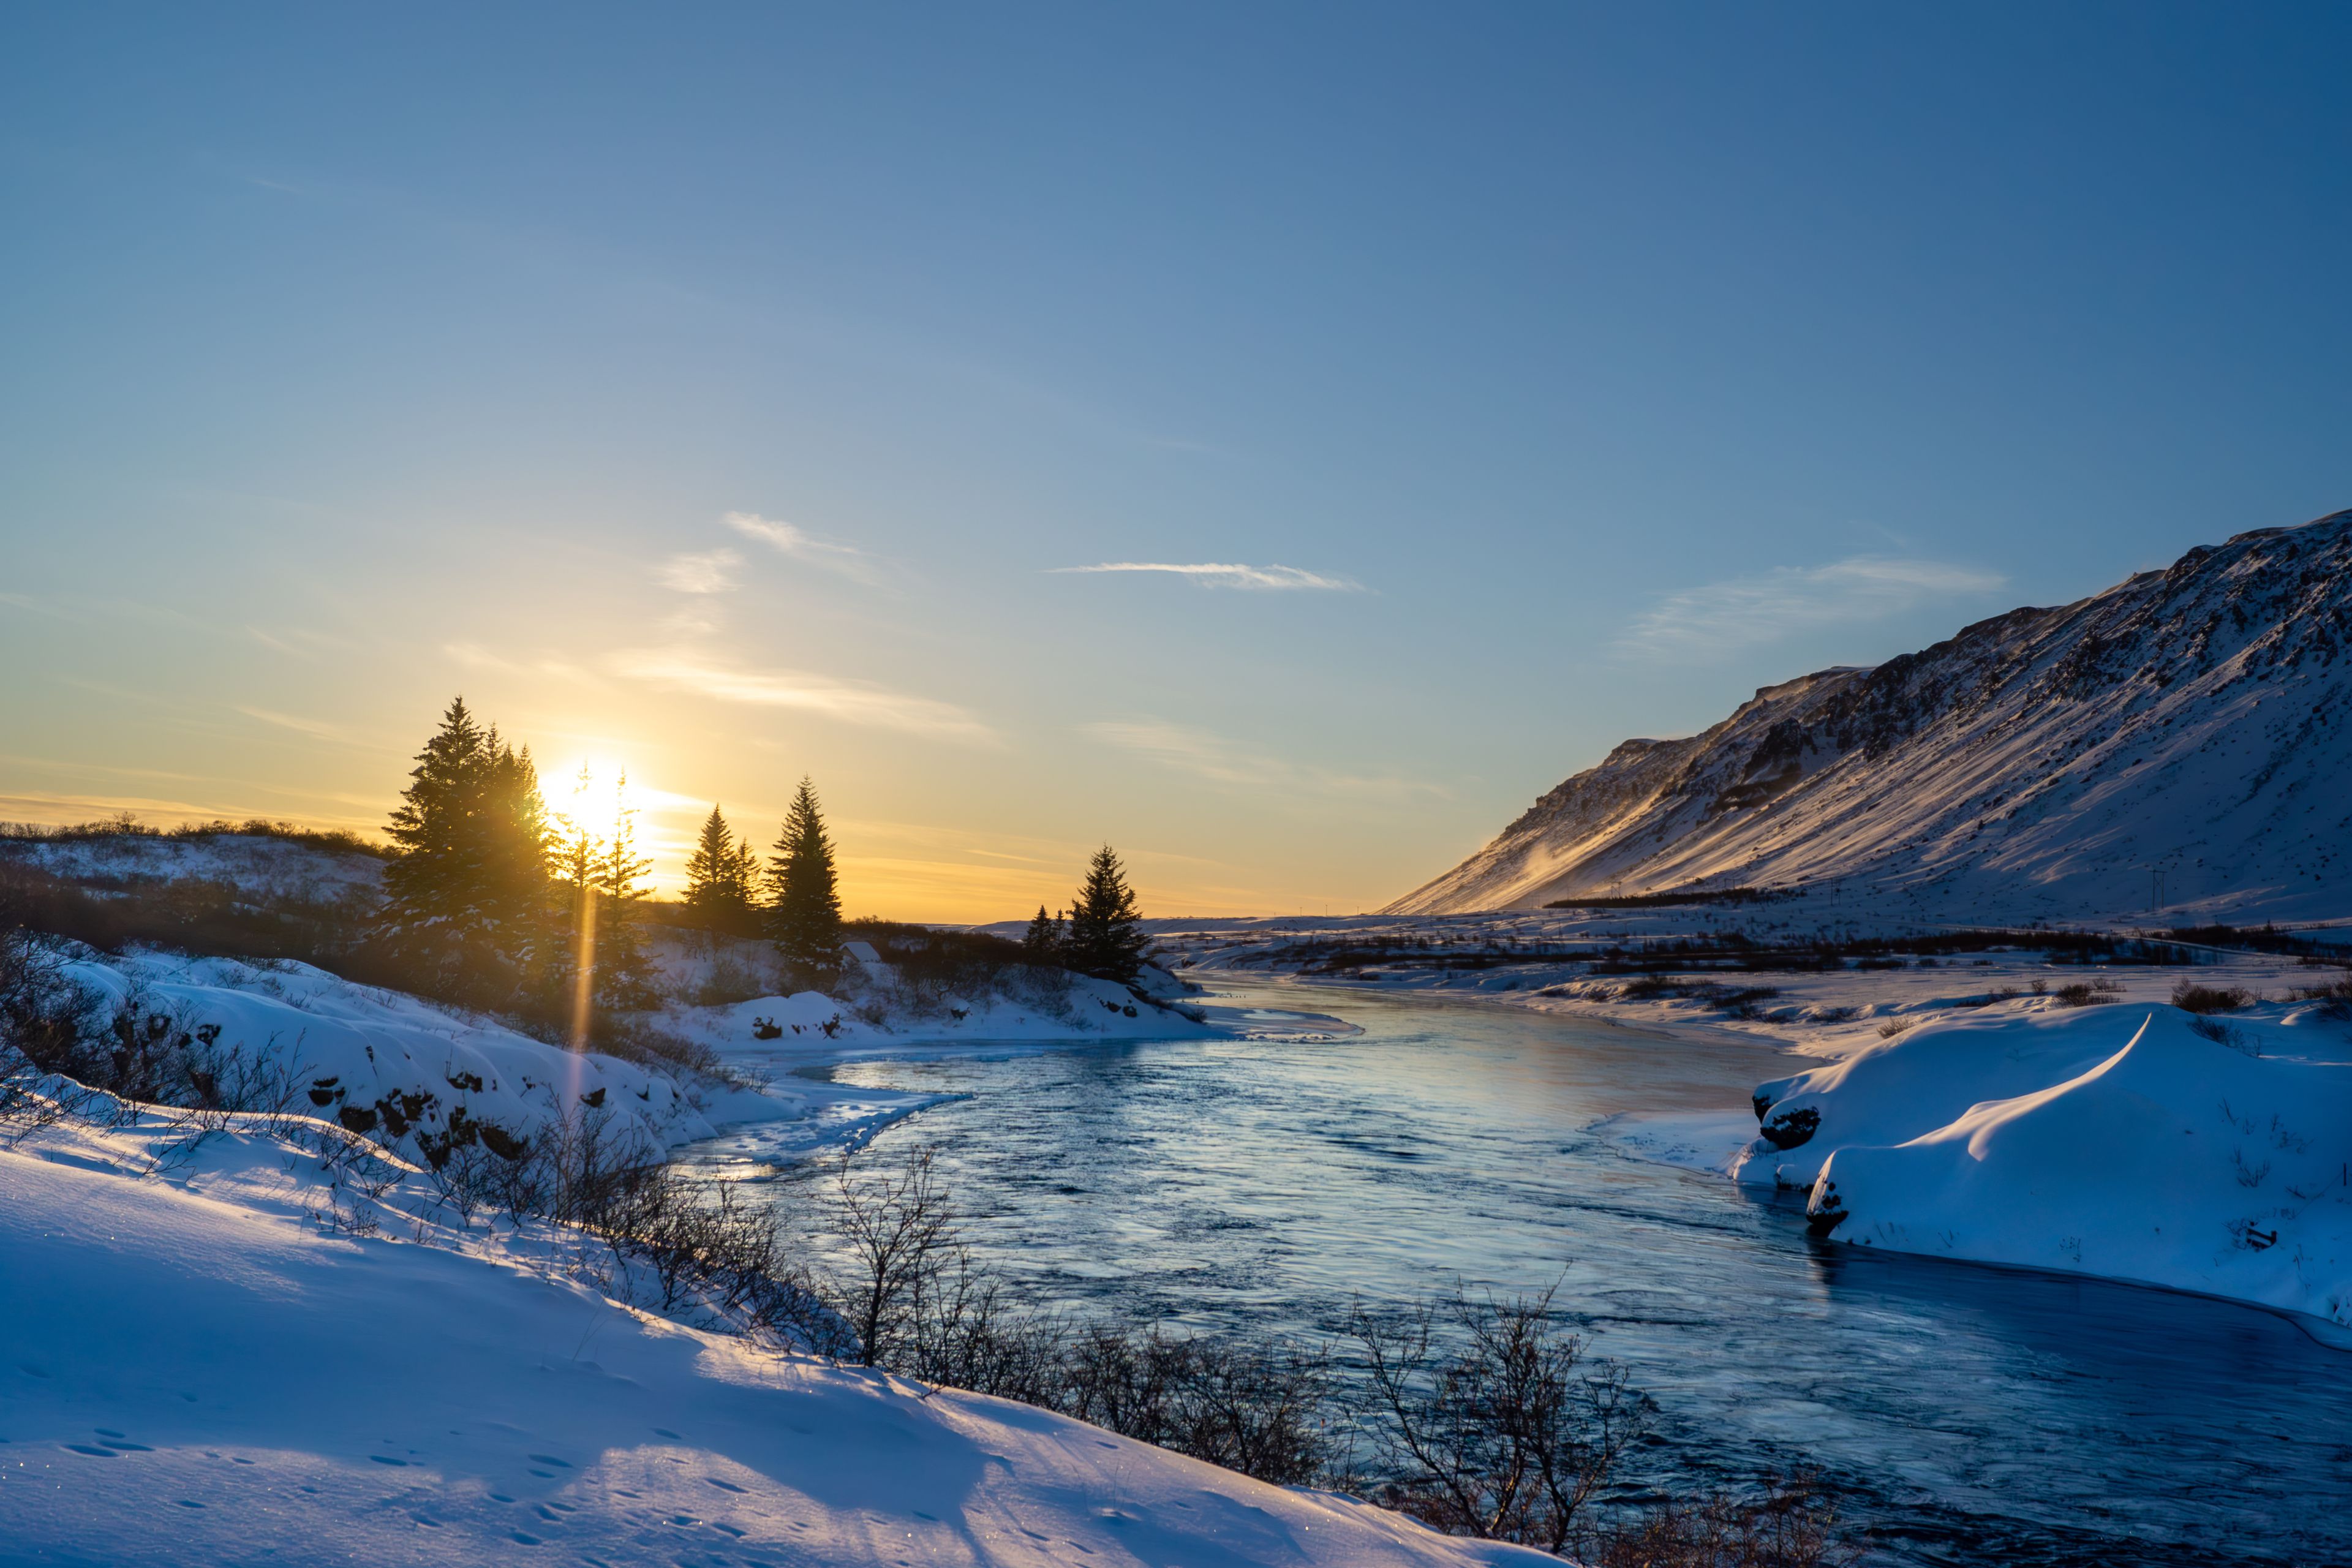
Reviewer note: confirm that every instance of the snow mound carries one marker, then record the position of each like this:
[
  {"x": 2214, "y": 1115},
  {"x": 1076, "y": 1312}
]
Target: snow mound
[
  {"x": 194, "y": 1380},
  {"x": 390, "y": 1065},
  {"x": 2138, "y": 1143},
  {"x": 808, "y": 1022}
]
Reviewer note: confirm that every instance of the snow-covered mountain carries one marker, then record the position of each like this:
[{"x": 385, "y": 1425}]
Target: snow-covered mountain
[{"x": 2181, "y": 742}]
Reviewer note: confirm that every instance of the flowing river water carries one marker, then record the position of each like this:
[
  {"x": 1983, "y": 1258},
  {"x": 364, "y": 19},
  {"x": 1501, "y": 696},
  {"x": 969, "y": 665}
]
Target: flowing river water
[{"x": 1966, "y": 1414}]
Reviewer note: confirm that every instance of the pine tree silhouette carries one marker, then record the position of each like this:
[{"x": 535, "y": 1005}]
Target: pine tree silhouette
[
  {"x": 623, "y": 975},
  {"x": 805, "y": 906},
  {"x": 719, "y": 876},
  {"x": 432, "y": 828},
  {"x": 1102, "y": 940},
  {"x": 466, "y": 894},
  {"x": 1042, "y": 944}
]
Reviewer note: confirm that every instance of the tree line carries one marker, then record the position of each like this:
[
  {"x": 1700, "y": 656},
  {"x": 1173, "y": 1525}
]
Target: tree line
[{"x": 503, "y": 903}]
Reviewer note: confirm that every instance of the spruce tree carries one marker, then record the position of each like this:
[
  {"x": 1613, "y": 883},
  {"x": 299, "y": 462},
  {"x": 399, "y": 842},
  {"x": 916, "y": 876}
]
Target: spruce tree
[
  {"x": 719, "y": 875},
  {"x": 465, "y": 892},
  {"x": 1103, "y": 938},
  {"x": 434, "y": 867},
  {"x": 747, "y": 880},
  {"x": 1042, "y": 944},
  {"x": 517, "y": 849},
  {"x": 804, "y": 902},
  {"x": 624, "y": 977}
]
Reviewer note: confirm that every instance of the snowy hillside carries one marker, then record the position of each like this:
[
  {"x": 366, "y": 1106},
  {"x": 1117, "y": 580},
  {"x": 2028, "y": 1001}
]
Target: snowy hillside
[
  {"x": 199, "y": 1373},
  {"x": 259, "y": 865},
  {"x": 2046, "y": 763}
]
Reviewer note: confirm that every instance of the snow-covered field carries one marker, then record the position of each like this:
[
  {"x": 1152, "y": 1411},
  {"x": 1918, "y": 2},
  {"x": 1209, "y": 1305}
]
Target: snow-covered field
[{"x": 199, "y": 1371}]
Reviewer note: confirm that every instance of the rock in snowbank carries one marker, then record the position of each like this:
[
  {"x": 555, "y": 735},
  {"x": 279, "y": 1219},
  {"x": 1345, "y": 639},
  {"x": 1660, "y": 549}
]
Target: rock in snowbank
[{"x": 2126, "y": 1142}]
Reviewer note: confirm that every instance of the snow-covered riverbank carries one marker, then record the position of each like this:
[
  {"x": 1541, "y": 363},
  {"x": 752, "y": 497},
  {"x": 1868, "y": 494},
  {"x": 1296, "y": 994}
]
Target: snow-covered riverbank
[{"x": 200, "y": 1372}]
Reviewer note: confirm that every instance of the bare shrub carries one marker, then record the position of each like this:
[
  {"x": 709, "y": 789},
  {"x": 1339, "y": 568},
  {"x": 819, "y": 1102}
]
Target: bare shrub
[
  {"x": 2087, "y": 994},
  {"x": 2222, "y": 1033},
  {"x": 1251, "y": 1404},
  {"x": 44, "y": 1017},
  {"x": 2206, "y": 1000},
  {"x": 728, "y": 980},
  {"x": 898, "y": 1227},
  {"x": 1490, "y": 1425},
  {"x": 2335, "y": 997},
  {"x": 1894, "y": 1027},
  {"x": 1793, "y": 1525}
]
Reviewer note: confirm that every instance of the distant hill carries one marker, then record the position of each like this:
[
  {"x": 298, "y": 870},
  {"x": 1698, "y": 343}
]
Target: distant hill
[{"x": 2183, "y": 738}]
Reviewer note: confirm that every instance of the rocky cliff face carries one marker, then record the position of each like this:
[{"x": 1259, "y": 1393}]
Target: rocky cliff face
[{"x": 2182, "y": 739}]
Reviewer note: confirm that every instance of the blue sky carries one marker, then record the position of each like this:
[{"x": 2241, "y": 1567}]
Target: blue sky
[{"x": 730, "y": 393}]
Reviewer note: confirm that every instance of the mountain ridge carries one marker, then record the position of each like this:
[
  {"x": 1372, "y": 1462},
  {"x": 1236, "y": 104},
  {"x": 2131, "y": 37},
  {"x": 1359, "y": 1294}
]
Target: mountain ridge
[{"x": 2179, "y": 743}]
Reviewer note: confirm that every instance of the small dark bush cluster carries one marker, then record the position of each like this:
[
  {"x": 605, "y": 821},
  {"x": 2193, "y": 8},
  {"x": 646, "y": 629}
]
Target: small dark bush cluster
[
  {"x": 2087, "y": 994},
  {"x": 2191, "y": 997},
  {"x": 2335, "y": 997},
  {"x": 1791, "y": 1525}
]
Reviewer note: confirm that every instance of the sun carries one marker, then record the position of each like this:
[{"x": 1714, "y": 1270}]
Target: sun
[{"x": 597, "y": 797}]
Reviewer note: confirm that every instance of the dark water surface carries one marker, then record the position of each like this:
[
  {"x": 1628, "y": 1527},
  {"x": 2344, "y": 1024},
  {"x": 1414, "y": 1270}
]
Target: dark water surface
[{"x": 1981, "y": 1415}]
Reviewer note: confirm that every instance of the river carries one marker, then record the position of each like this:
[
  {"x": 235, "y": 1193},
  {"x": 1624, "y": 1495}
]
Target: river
[{"x": 1968, "y": 1415}]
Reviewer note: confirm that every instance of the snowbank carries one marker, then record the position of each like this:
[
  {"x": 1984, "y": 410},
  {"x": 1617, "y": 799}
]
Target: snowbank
[
  {"x": 811, "y": 1024},
  {"x": 2122, "y": 1141},
  {"x": 396, "y": 1068},
  {"x": 198, "y": 1374}
]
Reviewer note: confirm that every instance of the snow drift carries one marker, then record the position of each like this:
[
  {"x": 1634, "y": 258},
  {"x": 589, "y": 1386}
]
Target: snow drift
[
  {"x": 199, "y": 1373},
  {"x": 2139, "y": 1144},
  {"x": 389, "y": 1065},
  {"x": 2043, "y": 763}
]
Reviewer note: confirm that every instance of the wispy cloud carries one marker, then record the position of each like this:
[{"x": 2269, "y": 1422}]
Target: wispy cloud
[
  {"x": 1232, "y": 574},
  {"x": 295, "y": 641},
  {"x": 1220, "y": 760},
  {"x": 802, "y": 545},
  {"x": 710, "y": 571},
  {"x": 1742, "y": 612},
  {"x": 852, "y": 702},
  {"x": 317, "y": 728}
]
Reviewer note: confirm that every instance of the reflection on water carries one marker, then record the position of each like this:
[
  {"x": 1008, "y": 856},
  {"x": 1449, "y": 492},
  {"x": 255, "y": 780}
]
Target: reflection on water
[{"x": 1984, "y": 1414}]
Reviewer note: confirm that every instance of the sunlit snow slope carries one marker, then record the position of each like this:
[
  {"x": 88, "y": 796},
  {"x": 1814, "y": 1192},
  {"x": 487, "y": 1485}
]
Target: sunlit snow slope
[{"x": 2046, "y": 762}]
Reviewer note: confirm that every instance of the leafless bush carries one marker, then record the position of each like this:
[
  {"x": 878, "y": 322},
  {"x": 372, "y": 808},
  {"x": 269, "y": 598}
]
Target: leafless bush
[
  {"x": 2087, "y": 994},
  {"x": 2222, "y": 1033},
  {"x": 42, "y": 1018},
  {"x": 2207, "y": 1000},
  {"x": 966, "y": 1331},
  {"x": 1490, "y": 1423},
  {"x": 1792, "y": 1526},
  {"x": 1256, "y": 1405},
  {"x": 1894, "y": 1027},
  {"x": 465, "y": 1181},
  {"x": 2335, "y": 997},
  {"x": 898, "y": 1227},
  {"x": 728, "y": 980}
]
